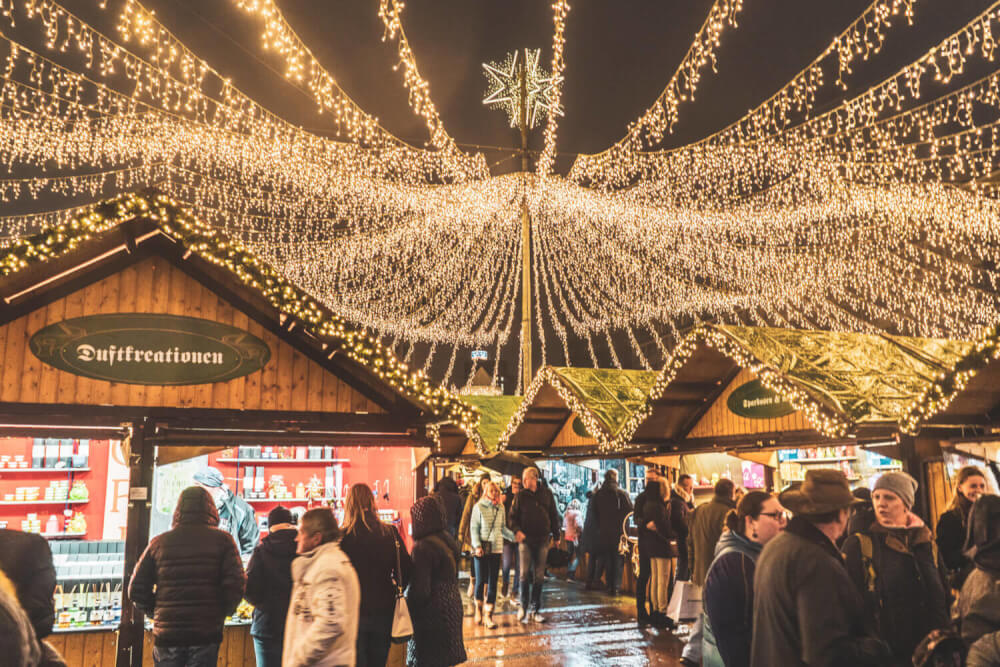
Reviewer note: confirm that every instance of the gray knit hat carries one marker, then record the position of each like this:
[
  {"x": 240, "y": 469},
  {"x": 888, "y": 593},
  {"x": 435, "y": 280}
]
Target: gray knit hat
[{"x": 899, "y": 483}]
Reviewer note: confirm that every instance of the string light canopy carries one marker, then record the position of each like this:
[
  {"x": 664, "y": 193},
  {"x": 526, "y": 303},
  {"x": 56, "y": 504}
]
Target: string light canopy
[{"x": 879, "y": 214}]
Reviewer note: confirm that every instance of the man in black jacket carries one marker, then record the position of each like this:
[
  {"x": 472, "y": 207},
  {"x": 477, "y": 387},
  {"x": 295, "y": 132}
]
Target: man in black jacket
[
  {"x": 446, "y": 491},
  {"x": 611, "y": 506},
  {"x": 189, "y": 578},
  {"x": 27, "y": 561},
  {"x": 681, "y": 506},
  {"x": 235, "y": 515},
  {"x": 269, "y": 586},
  {"x": 536, "y": 525}
]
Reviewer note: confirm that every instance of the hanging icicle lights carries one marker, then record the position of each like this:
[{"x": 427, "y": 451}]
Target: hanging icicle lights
[{"x": 875, "y": 215}]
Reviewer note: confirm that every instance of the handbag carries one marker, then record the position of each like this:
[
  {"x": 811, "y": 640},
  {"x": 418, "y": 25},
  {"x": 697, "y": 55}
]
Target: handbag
[{"x": 402, "y": 626}]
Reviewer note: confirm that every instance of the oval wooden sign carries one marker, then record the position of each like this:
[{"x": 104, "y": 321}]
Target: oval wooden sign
[
  {"x": 755, "y": 401},
  {"x": 150, "y": 349}
]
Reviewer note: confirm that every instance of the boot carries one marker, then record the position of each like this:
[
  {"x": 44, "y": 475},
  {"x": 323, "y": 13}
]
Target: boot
[
  {"x": 488, "y": 617},
  {"x": 479, "y": 612}
]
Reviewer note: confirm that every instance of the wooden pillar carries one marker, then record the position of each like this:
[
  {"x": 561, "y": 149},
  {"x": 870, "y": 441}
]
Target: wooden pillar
[{"x": 140, "y": 461}]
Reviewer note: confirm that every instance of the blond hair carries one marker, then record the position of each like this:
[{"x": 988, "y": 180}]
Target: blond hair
[{"x": 360, "y": 501}]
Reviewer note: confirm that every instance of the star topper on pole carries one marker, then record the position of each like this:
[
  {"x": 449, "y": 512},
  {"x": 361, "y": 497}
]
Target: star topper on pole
[{"x": 505, "y": 90}]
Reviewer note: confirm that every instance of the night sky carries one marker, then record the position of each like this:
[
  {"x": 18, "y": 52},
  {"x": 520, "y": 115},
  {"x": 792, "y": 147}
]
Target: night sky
[{"x": 619, "y": 56}]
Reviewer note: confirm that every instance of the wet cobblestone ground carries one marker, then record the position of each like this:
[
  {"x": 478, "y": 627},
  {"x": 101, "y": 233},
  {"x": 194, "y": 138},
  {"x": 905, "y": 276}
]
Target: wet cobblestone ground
[{"x": 582, "y": 628}]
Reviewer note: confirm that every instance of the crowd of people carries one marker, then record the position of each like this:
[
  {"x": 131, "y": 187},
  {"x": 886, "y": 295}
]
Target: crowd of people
[{"x": 818, "y": 575}]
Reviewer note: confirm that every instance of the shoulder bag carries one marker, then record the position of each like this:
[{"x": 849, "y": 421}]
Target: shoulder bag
[{"x": 402, "y": 626}]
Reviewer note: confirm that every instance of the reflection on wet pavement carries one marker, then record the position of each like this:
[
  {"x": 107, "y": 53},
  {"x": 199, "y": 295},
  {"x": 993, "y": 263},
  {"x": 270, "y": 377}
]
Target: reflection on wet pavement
[{"x": 582, "y": 628}]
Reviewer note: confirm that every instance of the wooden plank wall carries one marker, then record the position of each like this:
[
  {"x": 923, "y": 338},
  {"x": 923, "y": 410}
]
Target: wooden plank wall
[
  {"x": 289, "y": 381},
  {"x": 87, "y": 649},
  {"x": 568, "y": 437},
  {"x": 720, "y": 421}
]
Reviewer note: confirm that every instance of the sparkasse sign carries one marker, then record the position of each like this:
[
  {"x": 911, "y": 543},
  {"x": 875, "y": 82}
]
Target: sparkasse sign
[
  {"x": 755, "y": 401},
  {"x": 150, "y": 349}
]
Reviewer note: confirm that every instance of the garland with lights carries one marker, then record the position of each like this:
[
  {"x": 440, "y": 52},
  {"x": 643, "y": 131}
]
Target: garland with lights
[{"x": 288, "y": 299}]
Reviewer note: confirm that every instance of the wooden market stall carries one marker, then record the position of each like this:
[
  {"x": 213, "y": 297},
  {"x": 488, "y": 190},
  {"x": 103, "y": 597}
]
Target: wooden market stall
[{"x": 134, "y": 335}]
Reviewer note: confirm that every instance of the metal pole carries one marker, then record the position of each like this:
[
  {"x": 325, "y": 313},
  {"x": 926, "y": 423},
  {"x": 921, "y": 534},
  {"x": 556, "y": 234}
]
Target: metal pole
[{"x": 527, "y": 371}]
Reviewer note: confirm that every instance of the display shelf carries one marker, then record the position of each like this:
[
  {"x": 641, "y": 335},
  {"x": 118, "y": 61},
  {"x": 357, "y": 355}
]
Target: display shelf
[
  {"x": 891, "y": 466},
  {"x": 89, "y": 577},
  {"x": 87, "y": 628},
  {"x": 262, "y": 461},
  {"x": 822, "y": 460},
  {"x": 63, "y": 536},
  {"x": 44, "y": 502},
  {"x": 3, "y": 470},
  {"x": 289, "y": 500}
]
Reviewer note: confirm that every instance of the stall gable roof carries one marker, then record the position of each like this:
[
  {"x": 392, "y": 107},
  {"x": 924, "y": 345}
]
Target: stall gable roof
[
  {"x": 606, "y": 400},
  {"x": 837, "y": 379},
  {"x": 494, "y": 413},
  {"x": 57, "y": 241},
  {"x": 937, "y": 396}
]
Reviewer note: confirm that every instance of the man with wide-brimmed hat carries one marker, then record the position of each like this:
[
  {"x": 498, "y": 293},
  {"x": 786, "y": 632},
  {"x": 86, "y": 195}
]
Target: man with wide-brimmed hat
[{"x": 806, "y": 610}]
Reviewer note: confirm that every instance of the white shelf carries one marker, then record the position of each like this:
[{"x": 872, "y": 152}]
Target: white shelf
[
  {"x": 63, "y": 536},
  {"x": 60, "y": 470},
  {"x": 825, "y": 460},
  {"x": 44, "y": 502},
  {"x": 288, "y": 500},
  {"x": 282, "y": 461}
]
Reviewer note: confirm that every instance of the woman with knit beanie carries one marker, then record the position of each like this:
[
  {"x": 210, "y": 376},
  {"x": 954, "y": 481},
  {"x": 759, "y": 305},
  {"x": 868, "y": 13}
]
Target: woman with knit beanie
[
  {"x": 892, "y": 564},
  {"x": 951, "y": 527}
]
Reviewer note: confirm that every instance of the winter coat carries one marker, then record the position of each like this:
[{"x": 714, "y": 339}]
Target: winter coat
[
  {"x": 269, "y": 583},
  {"x": 806, "y": 609},
  {"x": 18, "y": 644},
  {"x": 588, "y": 539},
  {"x": 650, "y": 506},
  {"x": 534, "y": 513},
  {"x": 572, "y": 526},
  {"x": 489, "y": 526},
  {"x": 373, "y": 554},
  {"x": 237, "y": 518},
  {"x": 464, "y": 526},
  {"x": 322, "y": 625},
  {"x": 985, "y": 652},
  {"x": 978, "y": 605},
  {"x": 433, "y": 596},
  {"x": 447, "y": 493},
  {"x": 908, "y": 599},
  {"x": 950, "y": 538},
  {"x": 728, "y": 602},
  {"x": 196, "y": 572},
  {"x": 707, "y": 523},
  {"x": 611, "y": 505},
  {"x": 27, "y": 561}
]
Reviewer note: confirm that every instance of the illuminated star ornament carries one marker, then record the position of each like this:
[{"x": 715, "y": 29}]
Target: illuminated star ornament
[{"x": 504, "y": 88}]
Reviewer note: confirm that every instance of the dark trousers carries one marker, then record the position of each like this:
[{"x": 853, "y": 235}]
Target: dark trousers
[
  {"x": 374, "y": 641},
  {"x": 532, "y": 574},
  {"x": 268, "y": 651},
  {"x": 487, "y": 572},
  {"x": 641, "y": 582},
  {"x": 574, "y": 559},
  {"x": 683, "y": 569},
  {"x": 612, "y": 564},
  {"x": 205, "y": 655},
  {"x": 591, "y": 567},
  {"x": 511, "y": 562}
]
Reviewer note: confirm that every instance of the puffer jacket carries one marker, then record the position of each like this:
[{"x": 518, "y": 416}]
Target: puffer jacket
[
  {"x": 489, "y": 527},
  {"x": 322, "y": 625},
  {"x": 433, "y": 597},
  {"x": 269, "y": 583},
  {"x": 27, "y": 560},
  {"x": 727, "y": 627},
  {"x": 190, "y": 577}
]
